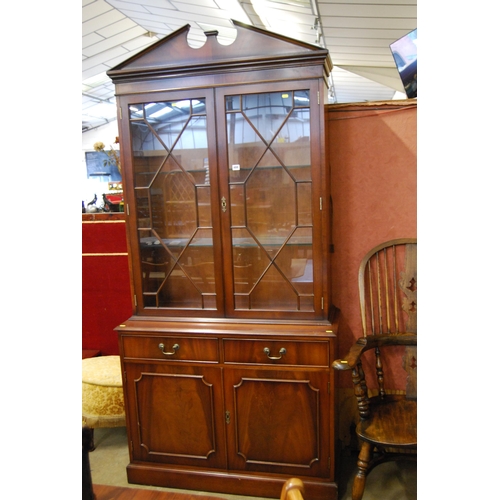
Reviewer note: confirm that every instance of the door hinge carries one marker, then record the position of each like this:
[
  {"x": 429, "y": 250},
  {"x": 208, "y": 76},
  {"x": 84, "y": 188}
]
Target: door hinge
[
  {"x": 135, "y": 300},
  {"x": 228, "y": 417},
  {"x": 328, "y": 387},
  {"x": 322, "y": 302},
  {"x": 321, "y": 203},
  {"x": 318, "y": 97},
  {"x": 128, "y": 213},
  {"x": 120, "y": 112}
]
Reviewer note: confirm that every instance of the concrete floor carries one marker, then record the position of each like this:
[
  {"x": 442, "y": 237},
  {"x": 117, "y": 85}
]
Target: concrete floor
[{"x": 388, "y": 481}]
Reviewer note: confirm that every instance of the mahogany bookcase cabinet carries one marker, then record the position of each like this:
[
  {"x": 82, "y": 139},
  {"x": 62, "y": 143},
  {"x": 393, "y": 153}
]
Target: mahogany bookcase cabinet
[{"x": 227, "y": 358}]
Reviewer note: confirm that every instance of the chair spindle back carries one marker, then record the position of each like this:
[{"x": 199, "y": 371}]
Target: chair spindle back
[{"x": 387, "y": 282}]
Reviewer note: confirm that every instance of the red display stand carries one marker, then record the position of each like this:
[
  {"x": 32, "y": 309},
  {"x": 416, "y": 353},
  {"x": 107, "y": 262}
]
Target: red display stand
[{"x": 106, "y": 299}]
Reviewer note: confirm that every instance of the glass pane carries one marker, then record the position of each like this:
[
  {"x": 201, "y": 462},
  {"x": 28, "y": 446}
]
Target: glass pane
[
  {"x": 237, "y": 205},
  {"x": 267, "y": 112},
  {"x": 156, "y": 262},
  {"x": 171, "y": 170},
  {"x": 295, "y": 261},
  {"x": 247, "y": 252},
  {"x": 271, "y": 204},
  {"x": 274, "y": 292},
  {"x": 179, "y": 203},
  {"x": 304, "y": 204},
  {"x": 269, "y": 160},
  {"x": 233, "y": 102},
  {"x": 198, "y": 262},
  {"x": 245, "y": 148}
]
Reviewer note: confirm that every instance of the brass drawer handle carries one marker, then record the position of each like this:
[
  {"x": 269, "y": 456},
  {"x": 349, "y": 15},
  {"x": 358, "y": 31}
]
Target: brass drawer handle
[
  {"x": 268, "y": 352},
  {"x": 175, "y": 348}
]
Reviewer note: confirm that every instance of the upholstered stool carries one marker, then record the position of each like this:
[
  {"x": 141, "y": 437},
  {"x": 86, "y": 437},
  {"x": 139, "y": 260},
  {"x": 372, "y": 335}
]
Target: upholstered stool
[{"x": 102, "y": 392}]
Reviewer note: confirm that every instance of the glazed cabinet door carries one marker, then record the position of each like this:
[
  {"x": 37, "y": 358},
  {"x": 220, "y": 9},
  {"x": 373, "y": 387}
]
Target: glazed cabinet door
[
  {"x": 171, "y": 183},
  {"x": 175, "y": 414},
  {"x": 270, "y": 171},
  {"x": 227, "y": 200},
  {"x": 278, "y": 421}
]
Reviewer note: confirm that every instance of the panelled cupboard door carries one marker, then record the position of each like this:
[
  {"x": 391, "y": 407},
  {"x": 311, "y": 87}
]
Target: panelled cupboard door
[
  {"x": 176, "y": 414},
  {"x": 278, "y": 421}
]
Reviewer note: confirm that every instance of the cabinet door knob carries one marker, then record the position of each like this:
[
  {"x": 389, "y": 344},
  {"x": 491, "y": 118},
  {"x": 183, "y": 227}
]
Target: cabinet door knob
[
  {"x": 268, "y": 353},
  {"x": 175, "y": 348}
]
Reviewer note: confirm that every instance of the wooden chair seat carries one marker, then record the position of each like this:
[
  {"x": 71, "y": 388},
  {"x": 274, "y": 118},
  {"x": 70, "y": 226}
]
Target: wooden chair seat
[{"x": 393, "y": 423}]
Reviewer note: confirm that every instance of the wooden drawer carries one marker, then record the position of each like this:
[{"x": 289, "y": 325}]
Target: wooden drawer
[
  {"x": 173, "y": 348},
  {"x": 262, "y": 352}
]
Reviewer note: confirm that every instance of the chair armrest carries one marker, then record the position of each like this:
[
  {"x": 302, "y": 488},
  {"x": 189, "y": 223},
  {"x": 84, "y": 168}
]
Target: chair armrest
[
  {"x": 352, "y": 357},
  {"x": 371, "y": 342}
]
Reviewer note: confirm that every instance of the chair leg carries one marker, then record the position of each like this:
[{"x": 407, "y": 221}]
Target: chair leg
[
  {"x": 91, "y": 439},
  {"x": 364, "y": 457},
  {"x": 87, "y": 490}
]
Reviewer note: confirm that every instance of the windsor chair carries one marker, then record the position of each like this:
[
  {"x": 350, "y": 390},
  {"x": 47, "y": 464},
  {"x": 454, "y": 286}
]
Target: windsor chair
[{"x": 387, "y": 428}]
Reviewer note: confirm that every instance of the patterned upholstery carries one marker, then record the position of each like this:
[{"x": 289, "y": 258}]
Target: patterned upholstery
[{"x": 102, "y": 392}]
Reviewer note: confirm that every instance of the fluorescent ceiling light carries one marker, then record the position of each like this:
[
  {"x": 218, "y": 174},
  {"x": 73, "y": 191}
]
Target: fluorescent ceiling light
[
  {"x": 295, "y": 3},
  {"x": 161, "y": 112},
  {"x": 185, "y": 103},
  {"x": 234, "y": 10},
  {"x": 96, "y": 80},
  {"x": 284, "y": 21},
  {"x": 102, "y": 110}
]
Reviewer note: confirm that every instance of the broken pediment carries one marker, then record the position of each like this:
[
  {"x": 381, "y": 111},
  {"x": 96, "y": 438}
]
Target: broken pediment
[{"x": 253, "y": 47}]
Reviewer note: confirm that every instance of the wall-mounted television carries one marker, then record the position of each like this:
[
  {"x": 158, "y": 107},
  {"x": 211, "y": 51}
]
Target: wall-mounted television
[{"x": 404, "y": 51}]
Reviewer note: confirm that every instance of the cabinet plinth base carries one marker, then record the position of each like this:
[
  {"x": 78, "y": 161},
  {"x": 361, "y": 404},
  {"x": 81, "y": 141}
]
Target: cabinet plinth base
[{"x": 228, "y": 483}]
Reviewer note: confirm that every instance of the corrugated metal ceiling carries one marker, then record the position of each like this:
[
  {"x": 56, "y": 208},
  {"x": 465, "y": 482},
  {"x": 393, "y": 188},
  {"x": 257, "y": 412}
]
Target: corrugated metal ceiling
[{"x": 357, "y": 34}]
